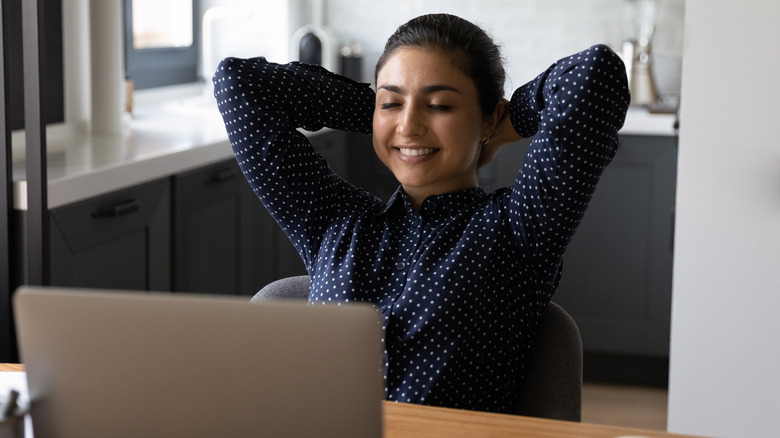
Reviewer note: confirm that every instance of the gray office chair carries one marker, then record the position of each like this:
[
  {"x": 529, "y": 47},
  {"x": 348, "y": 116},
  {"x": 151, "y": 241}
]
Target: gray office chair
[
  {"x": 553, "y": 378},
  {"x": 553, "y": 381}
]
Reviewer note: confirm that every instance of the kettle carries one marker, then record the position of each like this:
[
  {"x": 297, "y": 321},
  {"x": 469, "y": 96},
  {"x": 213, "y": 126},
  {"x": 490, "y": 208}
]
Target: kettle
[
  {"x": 315, "y": 44},
  {"x": 641, "y": 84},
  {"x": 638, "y": 30}
]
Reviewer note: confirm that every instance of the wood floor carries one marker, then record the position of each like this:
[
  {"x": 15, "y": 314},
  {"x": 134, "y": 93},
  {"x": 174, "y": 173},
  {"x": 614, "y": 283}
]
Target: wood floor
[{"x": 629, "y": 406}]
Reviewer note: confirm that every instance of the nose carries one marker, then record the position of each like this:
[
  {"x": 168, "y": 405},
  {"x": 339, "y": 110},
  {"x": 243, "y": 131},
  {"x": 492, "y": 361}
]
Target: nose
[{"x": 410, "y": 123}]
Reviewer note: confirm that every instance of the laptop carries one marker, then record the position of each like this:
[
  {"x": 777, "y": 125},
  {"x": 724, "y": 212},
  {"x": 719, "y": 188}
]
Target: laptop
[{"x": 104, "y": 363}]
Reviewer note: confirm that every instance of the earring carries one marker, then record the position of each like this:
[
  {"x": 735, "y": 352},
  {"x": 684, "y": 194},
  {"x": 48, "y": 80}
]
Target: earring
[{"x": 485, "y": 141}]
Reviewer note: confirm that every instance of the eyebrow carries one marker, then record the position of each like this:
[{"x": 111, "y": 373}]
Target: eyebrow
[{"x": 428, "y": 89}]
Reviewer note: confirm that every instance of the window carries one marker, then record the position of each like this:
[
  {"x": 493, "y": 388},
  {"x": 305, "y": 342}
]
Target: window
[{"x": 162, "y": 39}]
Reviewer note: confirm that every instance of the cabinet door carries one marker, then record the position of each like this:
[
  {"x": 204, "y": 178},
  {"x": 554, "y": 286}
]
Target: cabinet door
[
  {"x": 117, "y": 241},
  {"x": 223, "y": 237},
  {"x": 617, "y": 273}
]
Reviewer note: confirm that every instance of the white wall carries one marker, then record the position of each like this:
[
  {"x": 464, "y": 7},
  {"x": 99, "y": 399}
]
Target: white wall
[
  {"x": 533, "y": 33},
  {"x": 725, "y": 354}
]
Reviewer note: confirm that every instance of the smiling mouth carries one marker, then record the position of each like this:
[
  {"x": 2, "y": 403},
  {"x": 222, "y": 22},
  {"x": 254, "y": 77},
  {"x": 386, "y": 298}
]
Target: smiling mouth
[{"x": 416, "y": 152}]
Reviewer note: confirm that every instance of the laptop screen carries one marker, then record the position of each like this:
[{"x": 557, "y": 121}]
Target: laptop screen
[{"x": 111, "y": 363}]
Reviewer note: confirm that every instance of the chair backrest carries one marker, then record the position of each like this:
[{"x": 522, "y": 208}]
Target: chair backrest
[
  {"x": 288, "y": 288},
  {"x": 553, "y": 380}
]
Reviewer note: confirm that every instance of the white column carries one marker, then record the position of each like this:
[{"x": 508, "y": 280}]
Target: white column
[
  {"x": 75, "y": 46},
  {"x": 724, "y": 375},
  {"x": 106, "y": 30}
]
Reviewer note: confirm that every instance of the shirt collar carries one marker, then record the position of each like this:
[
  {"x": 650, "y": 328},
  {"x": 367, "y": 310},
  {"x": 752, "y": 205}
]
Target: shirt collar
[{"x": 445, "y": 204}]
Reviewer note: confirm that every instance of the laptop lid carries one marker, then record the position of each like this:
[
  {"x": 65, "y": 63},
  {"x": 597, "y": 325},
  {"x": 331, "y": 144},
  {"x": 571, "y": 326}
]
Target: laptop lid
[{"x": 137, "y": 364}]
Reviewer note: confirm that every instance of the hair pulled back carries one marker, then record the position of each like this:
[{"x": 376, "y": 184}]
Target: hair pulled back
[{"x": 472, "y": 50}]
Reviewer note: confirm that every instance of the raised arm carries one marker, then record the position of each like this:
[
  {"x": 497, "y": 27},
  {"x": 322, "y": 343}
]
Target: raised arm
[
  {"x": 263, "y": 104},
  {"x": 575, "y": 109}
]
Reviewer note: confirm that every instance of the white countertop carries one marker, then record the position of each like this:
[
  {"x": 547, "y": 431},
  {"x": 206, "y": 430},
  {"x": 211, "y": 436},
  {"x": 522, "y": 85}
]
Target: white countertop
[
  {"x": 163, "y": 139},
  {"x": 153, "y": 146},
  {"x": 642, "y": 122}
]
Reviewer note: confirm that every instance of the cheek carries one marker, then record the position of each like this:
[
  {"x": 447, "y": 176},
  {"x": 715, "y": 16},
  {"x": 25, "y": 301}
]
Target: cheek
[
  {"x": 379, "y": 131},
  {"x": 463, "y": 134},
  {"x": 380, "y": 122},
  {"x": 378, "y": 140}
]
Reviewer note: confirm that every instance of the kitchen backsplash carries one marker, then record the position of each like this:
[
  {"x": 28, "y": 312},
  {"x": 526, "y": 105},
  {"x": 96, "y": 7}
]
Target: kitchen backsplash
[{"x": 533, "y": 33}]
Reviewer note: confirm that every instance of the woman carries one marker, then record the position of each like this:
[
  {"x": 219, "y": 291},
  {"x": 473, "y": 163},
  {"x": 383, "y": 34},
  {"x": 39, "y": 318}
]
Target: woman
[{"x": 461, "y": 276}]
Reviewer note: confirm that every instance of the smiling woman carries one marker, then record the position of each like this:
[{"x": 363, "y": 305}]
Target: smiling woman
[
  {"x": 460, "y": 276},
  {"x": 427, "y": 127}
]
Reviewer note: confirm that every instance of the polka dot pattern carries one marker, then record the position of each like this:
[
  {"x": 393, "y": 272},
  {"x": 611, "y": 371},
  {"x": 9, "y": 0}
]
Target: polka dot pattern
[{"x": 462, "y": 282}]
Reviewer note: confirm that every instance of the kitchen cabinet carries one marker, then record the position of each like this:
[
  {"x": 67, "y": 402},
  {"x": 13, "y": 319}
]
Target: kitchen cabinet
[
  {"x": 196, "y": 231},
  {"x": 224, "y": 241},
  {"x": 617, "y": 271},
  {"x": 223, "y": 237},
  {"x": 118, "y": 240},
  {"x": 617, "y": 275}
]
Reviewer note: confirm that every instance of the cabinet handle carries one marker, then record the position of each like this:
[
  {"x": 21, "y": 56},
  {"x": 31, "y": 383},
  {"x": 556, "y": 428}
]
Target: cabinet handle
[
  {"x": 118, "y": 210},
  {"x": 223, "y": 175}
]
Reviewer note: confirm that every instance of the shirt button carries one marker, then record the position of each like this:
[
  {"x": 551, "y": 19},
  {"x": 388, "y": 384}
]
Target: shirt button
[{"x": 399, "y": 266}]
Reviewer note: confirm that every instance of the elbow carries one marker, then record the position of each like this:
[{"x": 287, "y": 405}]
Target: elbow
[
  {"x": 610, "y": 77},
  {"x": 226, "y": 70}
]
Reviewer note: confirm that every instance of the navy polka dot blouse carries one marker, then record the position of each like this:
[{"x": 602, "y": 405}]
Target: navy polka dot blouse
[{"x": 461, "y": 282}]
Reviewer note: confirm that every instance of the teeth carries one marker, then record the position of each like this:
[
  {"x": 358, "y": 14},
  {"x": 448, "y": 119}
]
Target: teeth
[{"x": 416, "y": 152}]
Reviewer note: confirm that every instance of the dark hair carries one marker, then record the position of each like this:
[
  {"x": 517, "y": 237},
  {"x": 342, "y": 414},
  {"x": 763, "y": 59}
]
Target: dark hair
[{"x": 474, "y": 52}]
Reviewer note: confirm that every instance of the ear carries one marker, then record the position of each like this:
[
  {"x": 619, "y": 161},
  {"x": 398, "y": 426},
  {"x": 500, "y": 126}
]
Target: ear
[
  {"x": 491, "y": 122},
  {"x": 492, "y": 130}
]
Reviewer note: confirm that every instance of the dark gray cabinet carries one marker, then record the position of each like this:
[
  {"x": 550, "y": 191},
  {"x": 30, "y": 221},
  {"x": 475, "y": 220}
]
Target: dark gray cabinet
[
  {"x": 118, "y": 241},
  {"x": 224, "y": 239},
  {"x": 202, "y": 231},
  {"x": 617, "y": 272},
  {"x": 216, "y": 231},
  {"x": 617, "y": 277}
]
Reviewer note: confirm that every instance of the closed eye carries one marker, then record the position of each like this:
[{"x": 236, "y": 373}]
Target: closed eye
[
  {"x": 440, "y": 107},
  {"x": 390, "y": 105}
]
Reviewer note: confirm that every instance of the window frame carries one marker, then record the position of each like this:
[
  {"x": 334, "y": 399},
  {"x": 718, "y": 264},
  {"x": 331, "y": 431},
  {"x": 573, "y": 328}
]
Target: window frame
[{"x": 157, "y": 67}]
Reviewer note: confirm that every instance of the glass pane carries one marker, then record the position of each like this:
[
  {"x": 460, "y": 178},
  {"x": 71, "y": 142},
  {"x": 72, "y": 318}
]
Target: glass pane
[{"x": 162, "y": 23}]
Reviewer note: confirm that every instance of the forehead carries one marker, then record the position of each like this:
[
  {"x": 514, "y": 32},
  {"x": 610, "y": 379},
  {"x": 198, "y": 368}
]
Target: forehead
[{"x": 418, "y": 67}]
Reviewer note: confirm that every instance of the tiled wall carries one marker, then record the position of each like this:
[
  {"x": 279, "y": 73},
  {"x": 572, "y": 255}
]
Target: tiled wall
[{"x": 533, "y": 33}]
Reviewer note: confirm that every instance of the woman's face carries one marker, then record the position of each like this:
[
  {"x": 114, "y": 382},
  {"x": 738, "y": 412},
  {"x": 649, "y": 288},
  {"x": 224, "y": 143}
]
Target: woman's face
[{"x": 427, "y": 123}]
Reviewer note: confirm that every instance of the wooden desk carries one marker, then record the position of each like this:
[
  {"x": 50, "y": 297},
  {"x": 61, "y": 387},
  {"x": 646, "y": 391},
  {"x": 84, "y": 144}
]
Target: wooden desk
[
  {"x": 11, "y": 367},
  {"x": 403, "y": 420}
]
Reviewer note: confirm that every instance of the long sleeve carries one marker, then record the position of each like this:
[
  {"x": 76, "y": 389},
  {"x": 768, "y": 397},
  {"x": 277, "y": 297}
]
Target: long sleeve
[
  {"x": 575, "y": 109},
  {"x": 263, "y": 104},
  {"x": 461, "y": 282}
]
